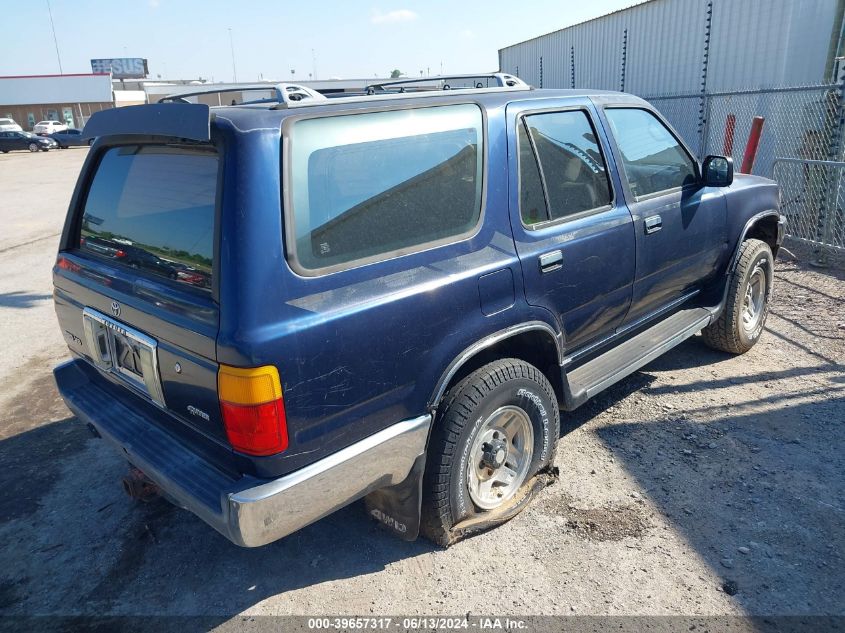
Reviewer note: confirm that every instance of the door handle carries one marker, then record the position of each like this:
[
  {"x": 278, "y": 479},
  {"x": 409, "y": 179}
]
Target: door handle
[
  {"x": 653, "y": 224},
  {"x": 551, "y": 261}
]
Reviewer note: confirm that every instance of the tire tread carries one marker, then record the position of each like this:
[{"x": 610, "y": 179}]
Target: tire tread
[{"x": 722, "y": 334}]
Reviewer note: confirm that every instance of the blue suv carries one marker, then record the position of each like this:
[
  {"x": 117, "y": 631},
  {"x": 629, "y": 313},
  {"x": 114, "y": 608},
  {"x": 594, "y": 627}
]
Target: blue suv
[{"x": 279, "y": 307}]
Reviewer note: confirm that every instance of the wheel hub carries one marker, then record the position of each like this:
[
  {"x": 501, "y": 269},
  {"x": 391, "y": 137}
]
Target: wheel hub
[
  {"x": 754, "y": 300},
  {"x": 494, "y": 454},
  {"x": 500, "y": 457}
]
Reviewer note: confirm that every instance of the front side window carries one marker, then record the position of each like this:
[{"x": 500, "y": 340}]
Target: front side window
[
  {"x": 654, "y": 160},
  {"x": 573, "y": 168},
  {"x": 152, "y": 208},
  {"x": 365, "y": 185}
]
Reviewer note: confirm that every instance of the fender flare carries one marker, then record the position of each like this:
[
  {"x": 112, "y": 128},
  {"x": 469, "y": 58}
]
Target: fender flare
[
  {"x": 487, "y": 342},
  {"x": 748, "y": 226}
]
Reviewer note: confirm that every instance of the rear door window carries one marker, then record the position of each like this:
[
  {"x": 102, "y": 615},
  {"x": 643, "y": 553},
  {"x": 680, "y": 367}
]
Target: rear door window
[
  {"x": 572, "y": 166},
  {"x": 381, "y": 184},
  {"x": 152, "y": 208}
]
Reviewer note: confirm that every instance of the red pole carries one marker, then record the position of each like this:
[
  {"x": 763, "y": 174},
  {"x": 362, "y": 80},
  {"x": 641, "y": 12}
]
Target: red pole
[
  {"x": 753, "y": 142},
  {"x": 730, "y": 126}
]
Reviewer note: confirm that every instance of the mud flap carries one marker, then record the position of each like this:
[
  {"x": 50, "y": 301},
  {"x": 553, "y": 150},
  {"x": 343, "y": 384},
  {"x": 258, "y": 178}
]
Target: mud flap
[
  {"x": 397, "y": 508},
  {"x": 487, "y": 520}
]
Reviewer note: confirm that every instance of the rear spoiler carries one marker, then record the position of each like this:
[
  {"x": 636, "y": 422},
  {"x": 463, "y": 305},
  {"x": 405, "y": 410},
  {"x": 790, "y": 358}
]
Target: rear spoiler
[{"x": 179, "y": 120}]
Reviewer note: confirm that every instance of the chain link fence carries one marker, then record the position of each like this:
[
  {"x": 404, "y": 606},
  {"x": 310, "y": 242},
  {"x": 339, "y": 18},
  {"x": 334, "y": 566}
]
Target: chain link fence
[
  {"x": 802, "y": 147},
  {"x": 813, "y": 199}
]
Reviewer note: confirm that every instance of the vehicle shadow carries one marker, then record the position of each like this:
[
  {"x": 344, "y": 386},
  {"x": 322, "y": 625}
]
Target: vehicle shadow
[
  {"x": 759, "y": 496},
  {"x": 18, "y": 299}
]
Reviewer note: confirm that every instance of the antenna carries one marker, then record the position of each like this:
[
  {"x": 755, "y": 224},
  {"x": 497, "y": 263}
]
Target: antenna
[
  {"x": 55, "y": 41},
  {"x": 232, "y": 47}
]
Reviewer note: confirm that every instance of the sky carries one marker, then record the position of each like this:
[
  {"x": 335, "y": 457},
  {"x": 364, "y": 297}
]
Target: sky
[{"x": 189, "y": 39}]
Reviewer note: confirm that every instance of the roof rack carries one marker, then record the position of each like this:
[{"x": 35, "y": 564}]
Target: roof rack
[
  {"x": 285, "y": 93},
  {"x": 288, "y": 95},
  {"x": 441, "y": 82}
]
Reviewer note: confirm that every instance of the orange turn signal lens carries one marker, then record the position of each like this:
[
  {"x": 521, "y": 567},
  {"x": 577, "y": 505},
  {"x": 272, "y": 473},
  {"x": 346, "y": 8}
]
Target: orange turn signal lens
[
  {"x": 257, "y": 385},
  {"x": 253, "y": 409}
]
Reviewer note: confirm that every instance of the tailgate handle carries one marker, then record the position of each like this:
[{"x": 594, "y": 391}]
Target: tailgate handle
[{"x": 551, "y": 261}]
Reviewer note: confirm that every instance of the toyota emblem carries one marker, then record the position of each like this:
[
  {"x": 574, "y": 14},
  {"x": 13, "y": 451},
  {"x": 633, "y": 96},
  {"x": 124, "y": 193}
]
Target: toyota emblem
[{"x": 115, "y": 308}]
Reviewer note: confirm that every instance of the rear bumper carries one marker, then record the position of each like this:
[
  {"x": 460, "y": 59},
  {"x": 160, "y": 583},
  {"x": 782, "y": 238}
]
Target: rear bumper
[{"x": 249, "y": 512}]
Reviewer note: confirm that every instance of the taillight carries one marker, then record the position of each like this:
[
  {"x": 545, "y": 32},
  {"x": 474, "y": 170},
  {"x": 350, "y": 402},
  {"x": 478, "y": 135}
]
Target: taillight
[
  {"x": 119, "y": 253},
  {"x": 65, "y": 264},
  {"x": 253, "y": 409}
]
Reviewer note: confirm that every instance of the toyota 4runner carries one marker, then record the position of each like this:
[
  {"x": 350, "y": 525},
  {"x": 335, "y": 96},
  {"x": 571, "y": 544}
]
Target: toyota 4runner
[{"x": 279, "y": 307}]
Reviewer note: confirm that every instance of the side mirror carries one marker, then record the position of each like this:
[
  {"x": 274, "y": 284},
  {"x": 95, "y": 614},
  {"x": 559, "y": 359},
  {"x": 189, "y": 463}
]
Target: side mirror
[{"x": 717, "y": 171}]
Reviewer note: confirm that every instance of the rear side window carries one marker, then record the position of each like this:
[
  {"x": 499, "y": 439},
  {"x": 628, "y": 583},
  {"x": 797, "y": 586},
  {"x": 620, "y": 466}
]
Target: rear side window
[
  {"x": 654, "y": 159},
  {"x": 374, "y": 185},
  {"x": 573, "y": 168},
  {"x": 151, "y": 208}
]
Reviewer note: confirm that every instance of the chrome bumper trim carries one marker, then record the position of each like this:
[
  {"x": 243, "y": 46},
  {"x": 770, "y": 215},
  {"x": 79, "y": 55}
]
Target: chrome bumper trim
[{"x": 267, "y": 512}]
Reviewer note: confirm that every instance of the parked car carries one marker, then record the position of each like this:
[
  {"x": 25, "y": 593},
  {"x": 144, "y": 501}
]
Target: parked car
[
  {"x": 9, "y": 125},
  {"x": 70, "y": 138},
  {"x": 398, "y": 293},
  {"x": 48, "y": 127},
  {"x": 24, "y": 140}
]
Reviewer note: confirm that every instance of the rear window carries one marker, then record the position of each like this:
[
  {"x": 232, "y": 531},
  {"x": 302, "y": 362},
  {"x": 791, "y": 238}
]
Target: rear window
[
  {"x": 151, "y": 208},
  {"x": 376, "y": 185}
]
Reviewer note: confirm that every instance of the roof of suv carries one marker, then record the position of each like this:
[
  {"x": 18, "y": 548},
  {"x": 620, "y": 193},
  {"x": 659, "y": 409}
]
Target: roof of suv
[{"x": 250, "y": 113}]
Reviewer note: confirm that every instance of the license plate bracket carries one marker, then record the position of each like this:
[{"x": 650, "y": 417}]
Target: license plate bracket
[{"x": 124, "y": 352}]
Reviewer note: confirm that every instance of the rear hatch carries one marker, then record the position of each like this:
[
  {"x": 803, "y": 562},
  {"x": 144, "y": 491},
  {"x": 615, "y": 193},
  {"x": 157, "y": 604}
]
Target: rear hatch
[{"x": 135, "y": 282}]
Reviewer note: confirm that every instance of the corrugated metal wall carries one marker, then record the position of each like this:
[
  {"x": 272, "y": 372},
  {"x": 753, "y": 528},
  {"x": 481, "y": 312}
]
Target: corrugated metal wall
[{"x": 753, "y": 43}]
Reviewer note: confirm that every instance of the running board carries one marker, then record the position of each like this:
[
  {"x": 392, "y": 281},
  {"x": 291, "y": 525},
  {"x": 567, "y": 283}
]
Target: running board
[{"x": 582, "y": 383}]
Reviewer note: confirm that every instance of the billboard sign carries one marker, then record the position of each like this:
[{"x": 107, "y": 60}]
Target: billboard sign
[{"x": 121, "y": 67}]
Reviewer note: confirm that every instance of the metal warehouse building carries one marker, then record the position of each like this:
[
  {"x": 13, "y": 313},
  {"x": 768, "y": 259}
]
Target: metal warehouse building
[
  {"x": 683, "y": 46},
  {"x": 711, "y": 67}
]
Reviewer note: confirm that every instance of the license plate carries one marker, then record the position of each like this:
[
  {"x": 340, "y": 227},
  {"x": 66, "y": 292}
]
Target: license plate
[{"x": 124, "y": 352}]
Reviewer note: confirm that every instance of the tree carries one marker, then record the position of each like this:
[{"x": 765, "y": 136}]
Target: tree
[{"x": 395, "y": 73}]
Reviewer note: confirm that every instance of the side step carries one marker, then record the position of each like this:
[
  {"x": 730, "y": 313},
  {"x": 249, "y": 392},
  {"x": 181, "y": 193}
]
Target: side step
[{"x": 596, "y": 375}]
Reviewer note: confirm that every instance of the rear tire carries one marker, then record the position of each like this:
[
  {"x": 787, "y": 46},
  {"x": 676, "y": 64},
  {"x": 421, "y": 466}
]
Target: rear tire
[
  {"x": 741, "y": 323},
  {"x": 494, "y": 431}
]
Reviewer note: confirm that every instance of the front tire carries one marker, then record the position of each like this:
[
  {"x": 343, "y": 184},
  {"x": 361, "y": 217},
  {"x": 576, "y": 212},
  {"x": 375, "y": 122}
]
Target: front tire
[
  {"x": 495, "y": 430},
  {"x": 33, "y": 147},
  {"x": 741, "y": 323}
]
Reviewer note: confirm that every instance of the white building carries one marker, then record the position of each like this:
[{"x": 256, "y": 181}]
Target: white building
[{"x": 69, "y": 98}]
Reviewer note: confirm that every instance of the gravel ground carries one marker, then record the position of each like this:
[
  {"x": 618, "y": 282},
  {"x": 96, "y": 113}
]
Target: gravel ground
[{"x": 703, "y": 484}]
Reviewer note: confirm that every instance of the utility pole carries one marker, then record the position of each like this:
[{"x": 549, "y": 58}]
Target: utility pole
[
  {"x": 232, "y": 47},
  {"x": 55, "y": 41},
  {"x": 314, "y": 63}
]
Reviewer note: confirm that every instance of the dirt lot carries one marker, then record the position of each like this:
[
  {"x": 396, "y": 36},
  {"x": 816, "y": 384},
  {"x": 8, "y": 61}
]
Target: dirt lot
[{"x": 703, "y": 484}]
